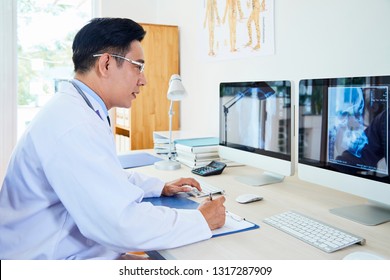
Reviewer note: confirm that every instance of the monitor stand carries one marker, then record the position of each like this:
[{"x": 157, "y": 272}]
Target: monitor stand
[
  {"x": 367, "y": 214},
  {"x": 260, "y": 180}
]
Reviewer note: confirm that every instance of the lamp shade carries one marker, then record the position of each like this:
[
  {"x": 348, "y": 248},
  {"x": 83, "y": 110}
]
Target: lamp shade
[{"x": 176, "y": 90}]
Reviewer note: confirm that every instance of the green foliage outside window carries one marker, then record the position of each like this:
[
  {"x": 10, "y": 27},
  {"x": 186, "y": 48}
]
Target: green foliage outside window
[{"x": 41, "y": 63}]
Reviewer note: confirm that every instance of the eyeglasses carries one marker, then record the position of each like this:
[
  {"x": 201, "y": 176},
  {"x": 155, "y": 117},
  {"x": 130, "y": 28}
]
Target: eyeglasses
[{"x": 141, "y": 66}]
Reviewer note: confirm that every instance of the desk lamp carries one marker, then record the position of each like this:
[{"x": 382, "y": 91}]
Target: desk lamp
[{"x": 176, "y": 92}]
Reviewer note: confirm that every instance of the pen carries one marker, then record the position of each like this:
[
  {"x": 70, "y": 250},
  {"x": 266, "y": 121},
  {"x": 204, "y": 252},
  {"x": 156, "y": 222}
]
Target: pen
[{"x": 210, "y": 196}]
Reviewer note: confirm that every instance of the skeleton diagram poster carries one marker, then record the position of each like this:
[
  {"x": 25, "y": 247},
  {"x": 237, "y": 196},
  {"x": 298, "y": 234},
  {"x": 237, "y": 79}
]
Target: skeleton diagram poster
[{"x": 237, "y": 29}]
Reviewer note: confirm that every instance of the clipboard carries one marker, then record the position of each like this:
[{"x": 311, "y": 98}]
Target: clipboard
[
  {"x": 177, "y": 201},
  {"x": 233, "y": 223}
]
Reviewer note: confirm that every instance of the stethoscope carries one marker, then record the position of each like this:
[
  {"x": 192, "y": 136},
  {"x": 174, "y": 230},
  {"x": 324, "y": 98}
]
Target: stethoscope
[
  {"x": 82, "y": 94},
  {"x": 86, "y": 99}
]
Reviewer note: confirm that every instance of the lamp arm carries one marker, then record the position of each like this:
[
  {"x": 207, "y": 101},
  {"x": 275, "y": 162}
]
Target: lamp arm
[
  {"x": 233, "y": 101},
  {"x": 170, "y": 114},
  {"x": 227, "y": 106}
]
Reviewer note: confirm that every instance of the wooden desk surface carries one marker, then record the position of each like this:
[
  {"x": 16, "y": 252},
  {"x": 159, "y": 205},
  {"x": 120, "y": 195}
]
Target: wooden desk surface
[{"x": 267, "y": 242}]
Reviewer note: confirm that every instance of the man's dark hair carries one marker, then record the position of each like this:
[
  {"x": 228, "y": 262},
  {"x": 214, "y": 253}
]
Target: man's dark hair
[{"x": 112, "y": 35}]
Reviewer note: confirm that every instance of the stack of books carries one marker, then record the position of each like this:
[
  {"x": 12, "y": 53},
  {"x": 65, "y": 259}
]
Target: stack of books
[
  {"x": 161, "y": 143},
  {"x": 197, "y": 152},
  {"x": 161, "y": 140}
]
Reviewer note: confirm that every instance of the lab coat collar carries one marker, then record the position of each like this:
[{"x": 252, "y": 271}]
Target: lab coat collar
[{"x": 95, "y": 97}]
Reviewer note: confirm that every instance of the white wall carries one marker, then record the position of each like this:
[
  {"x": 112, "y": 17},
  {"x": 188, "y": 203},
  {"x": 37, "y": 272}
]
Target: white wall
[
  {"x": 313, "y": 38},
  {"x": 139, "y": 11}
]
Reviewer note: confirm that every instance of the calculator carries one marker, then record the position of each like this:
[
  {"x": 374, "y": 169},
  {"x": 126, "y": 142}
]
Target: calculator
[{"x": 213, "y": 168}]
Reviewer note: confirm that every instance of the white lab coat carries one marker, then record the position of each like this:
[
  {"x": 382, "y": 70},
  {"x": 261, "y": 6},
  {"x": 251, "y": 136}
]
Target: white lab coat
[{"x": 65, "y": 195}]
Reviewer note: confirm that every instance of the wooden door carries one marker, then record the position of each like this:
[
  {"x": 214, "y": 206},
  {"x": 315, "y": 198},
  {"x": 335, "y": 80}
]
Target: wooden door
[{"x": 149, "y": 112}]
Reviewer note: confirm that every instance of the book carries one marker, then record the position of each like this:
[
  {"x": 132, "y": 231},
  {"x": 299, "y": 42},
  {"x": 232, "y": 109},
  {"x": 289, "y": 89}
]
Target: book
[
  {"x": 197, "y": 156},
  {"x": 197, "y": 145},
  {"x": 202, "y": 149},
  {"x": 161, "y": 142},
  {"x": 176, "y": 134},
  {"x": 122, "y": 143},
  {"x": 233, "y": 223},
  {"x": 160, "y": 148},
  {"x": 193, "y": 163}
]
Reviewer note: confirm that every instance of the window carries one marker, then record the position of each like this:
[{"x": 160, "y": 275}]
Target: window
[{"x": 46, "y": 29}]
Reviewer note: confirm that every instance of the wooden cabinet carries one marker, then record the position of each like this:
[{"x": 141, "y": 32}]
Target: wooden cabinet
[{"x": 149, "y": 112}]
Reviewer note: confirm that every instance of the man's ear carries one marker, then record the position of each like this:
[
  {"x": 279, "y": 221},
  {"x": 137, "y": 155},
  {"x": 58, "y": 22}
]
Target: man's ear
[{"x": 103, "y": 63}]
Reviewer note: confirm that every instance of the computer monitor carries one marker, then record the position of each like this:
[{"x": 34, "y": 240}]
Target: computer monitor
[
  {"x": 256, "y": 128},
  {"x": 344, "y": 141}
]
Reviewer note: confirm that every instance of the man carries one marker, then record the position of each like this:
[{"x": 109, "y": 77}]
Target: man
[{"x": 65, "y": 195}]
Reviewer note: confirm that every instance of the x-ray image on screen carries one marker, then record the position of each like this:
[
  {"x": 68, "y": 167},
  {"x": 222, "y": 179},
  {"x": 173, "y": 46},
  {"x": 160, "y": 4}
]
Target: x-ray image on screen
[{"x": 351, "y": 112}]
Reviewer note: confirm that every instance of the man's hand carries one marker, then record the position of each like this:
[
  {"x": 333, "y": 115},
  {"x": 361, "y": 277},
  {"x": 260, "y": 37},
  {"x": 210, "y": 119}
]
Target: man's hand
[
  {"x": 180, "y": 185},
  {"x": 214, "y": 212}
]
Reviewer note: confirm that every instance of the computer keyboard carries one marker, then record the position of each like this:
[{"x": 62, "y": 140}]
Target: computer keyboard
[
  {"x": 206, "y": 190},
  {"x": 313, "y": 232}
]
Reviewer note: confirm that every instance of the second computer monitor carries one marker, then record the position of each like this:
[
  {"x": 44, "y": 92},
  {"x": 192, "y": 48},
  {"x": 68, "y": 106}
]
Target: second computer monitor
[
  {"x": 256, "y": 128},
  {"x": 344, "y": 141}
]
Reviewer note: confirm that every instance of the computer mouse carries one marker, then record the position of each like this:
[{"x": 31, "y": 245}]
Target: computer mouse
[
  {"x": 360, "y": 255},
  {"x": 248, "y": 197}
]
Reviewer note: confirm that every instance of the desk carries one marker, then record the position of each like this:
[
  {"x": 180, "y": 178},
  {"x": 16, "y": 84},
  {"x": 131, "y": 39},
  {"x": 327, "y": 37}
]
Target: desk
[{"x": 267, "y": 242}]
